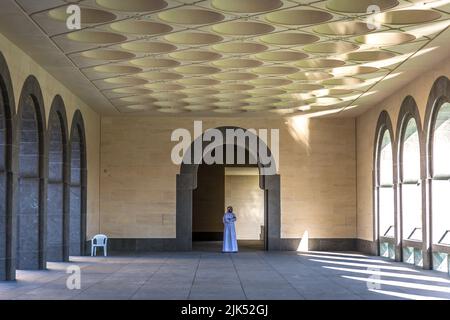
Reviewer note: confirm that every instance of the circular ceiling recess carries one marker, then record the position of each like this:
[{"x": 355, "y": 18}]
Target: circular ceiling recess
[
  {"x": 299, "y": 17},
  {"x": 228, "y": 110},
  {"x": 354, "y": 70},
  {"x": 230, "y": 104},
  {"x": 171, "y": 104},
  {"x": 314, "y": 76},
  {"x": 195, "y": 69},
  {"x": 88, "y": 15},
  {"x": 193, "y": 38},
  {"x": 319, "y": 63},
  {"x": 375, "y": 55},
  {"x": 247, "y": 6},
  {"x": 149, "y": 47},
  {"x": 402, "y": 17},
  {"x": 198, "y": 108},
  {"x": 171, "y": 110},
  {"x": 154, "y": 75},
  {"x": 238, "y": 63},
  {"x": 140, "y": 27},
  {"x": 139, "y": 107},
  {"x": 289, "y": 38},
  {"x": 342, "y": 81},
  {"x": 267, "y": 92},
  {"x": 235, "y": 87},
  {"x": 132, "y": 90},
  {"x": 164, "y": 86},
  {"x": 133, "y": 5},
  {"x": 281, "y": 55},
  {"x": 191, "y": 16},
  {"x": 344, "y": 28},
  {"x": 232, "y": 96},
  {"x": 164, "y": 96},
  {"x": 196, "y": 55},
  {"x": 150, "y": 62},
  {"x": 303, "y": 87},
  {"x": 96, "y": 37},
  {"x": 117, "y": 69},
  {"x": 256, "y": 108},
  {"x": 242, "y": 28},
  {"x": 126, "y": 81},
  {"x": 385, "y": 38},
  {"x": 331, "y": 47},
  {"x": 271, "y": 82},
  {"x": 240, "y": 47},
  {"x": 275, "y": 70},
  {"x": 201, "y": 100},
  {"x": 138, "y": 99},
  {"x": 200, "y": 92},
  {"x": 236, "y": 76},
  {"x": 199, "y": 81},
  {"x": 103, "y": 54},
  {"x": 360, "y": 6}
]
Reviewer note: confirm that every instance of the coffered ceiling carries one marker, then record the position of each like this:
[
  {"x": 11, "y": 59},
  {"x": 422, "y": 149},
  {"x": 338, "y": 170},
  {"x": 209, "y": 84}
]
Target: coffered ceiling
[{"x": 249, "y": 57}]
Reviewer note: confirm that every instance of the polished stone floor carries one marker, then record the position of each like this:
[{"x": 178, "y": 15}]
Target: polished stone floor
[{"x": 246, "y": 275}]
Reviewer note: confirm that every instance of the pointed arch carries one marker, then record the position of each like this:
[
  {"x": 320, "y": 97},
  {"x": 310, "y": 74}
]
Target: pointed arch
[
  {"x": 57, "y": 184},
  {"x": 32, "y": 165},
  {"x": 78, "y": 185},
  {"x": 384, "y": 181}
]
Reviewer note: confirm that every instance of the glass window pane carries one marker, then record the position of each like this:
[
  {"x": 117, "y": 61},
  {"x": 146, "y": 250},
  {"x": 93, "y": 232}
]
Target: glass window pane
[
  {"x": 412, "y": 211},
  {"x": 440, "y": 208},
  {"x": 386, "y": 207},
  {"x": 411, "y": 152},
  {"x": 386, "y": 165},
  {"x": 441, "y": 143}
]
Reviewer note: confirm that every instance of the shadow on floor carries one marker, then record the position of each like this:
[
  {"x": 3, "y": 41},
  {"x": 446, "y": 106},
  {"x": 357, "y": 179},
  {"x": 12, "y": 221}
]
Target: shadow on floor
[{"x": 216, "y": 246}]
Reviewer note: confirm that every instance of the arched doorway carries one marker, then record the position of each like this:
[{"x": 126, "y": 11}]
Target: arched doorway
[
  {"x": 78, "y": 189},
  {"x": 57, "y": 188},
  {"x": 7, "y": 253},
  {"x": 186, "y": 183},
  {"x": 31, "y": 244}
]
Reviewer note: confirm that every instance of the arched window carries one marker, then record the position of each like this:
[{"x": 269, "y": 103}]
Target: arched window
[
  {"x": 438, "y": 122},
  {"x": 57, "y": 189},
  {"x": 78, "y": 189},
  {"x": 410, "y": 195},
  {"x": 31, "y": 205},
  {"x": 384, "y": 188}
]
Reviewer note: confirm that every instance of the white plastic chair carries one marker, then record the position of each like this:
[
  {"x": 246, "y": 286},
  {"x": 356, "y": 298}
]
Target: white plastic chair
[{"x": 99, "y": 240}]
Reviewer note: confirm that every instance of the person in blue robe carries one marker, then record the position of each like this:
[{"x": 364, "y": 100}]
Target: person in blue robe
[{"x": 229, "y": 232}]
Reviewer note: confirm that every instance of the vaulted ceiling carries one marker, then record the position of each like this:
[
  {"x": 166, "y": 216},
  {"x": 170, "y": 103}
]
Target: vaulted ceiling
[{"x": 249, "y": 57}]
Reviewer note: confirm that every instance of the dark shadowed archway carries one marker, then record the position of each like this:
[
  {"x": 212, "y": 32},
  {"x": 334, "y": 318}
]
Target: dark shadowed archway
[
  {"x": 57, "y": 184},
  {"x": 78, "y": 186},
  {"x": 31, "y": 193},
  {"x": 187, "y": 181},
  {"x": 7, "y": 252}
]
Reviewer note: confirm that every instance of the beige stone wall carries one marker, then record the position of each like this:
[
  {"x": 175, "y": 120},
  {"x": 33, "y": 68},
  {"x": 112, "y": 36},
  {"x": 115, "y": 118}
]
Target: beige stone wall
[
  {"x": 21, "y": 66},
  {"x": 365, "y": 128},
  {"x": 247, "y": 198},
  {"x": 317, "y": 168}
]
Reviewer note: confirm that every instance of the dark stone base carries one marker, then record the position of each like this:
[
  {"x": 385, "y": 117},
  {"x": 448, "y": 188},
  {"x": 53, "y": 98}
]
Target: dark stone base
[
  {"x": 322, "y": 244},
  {"x": 366, "y": 246}
]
